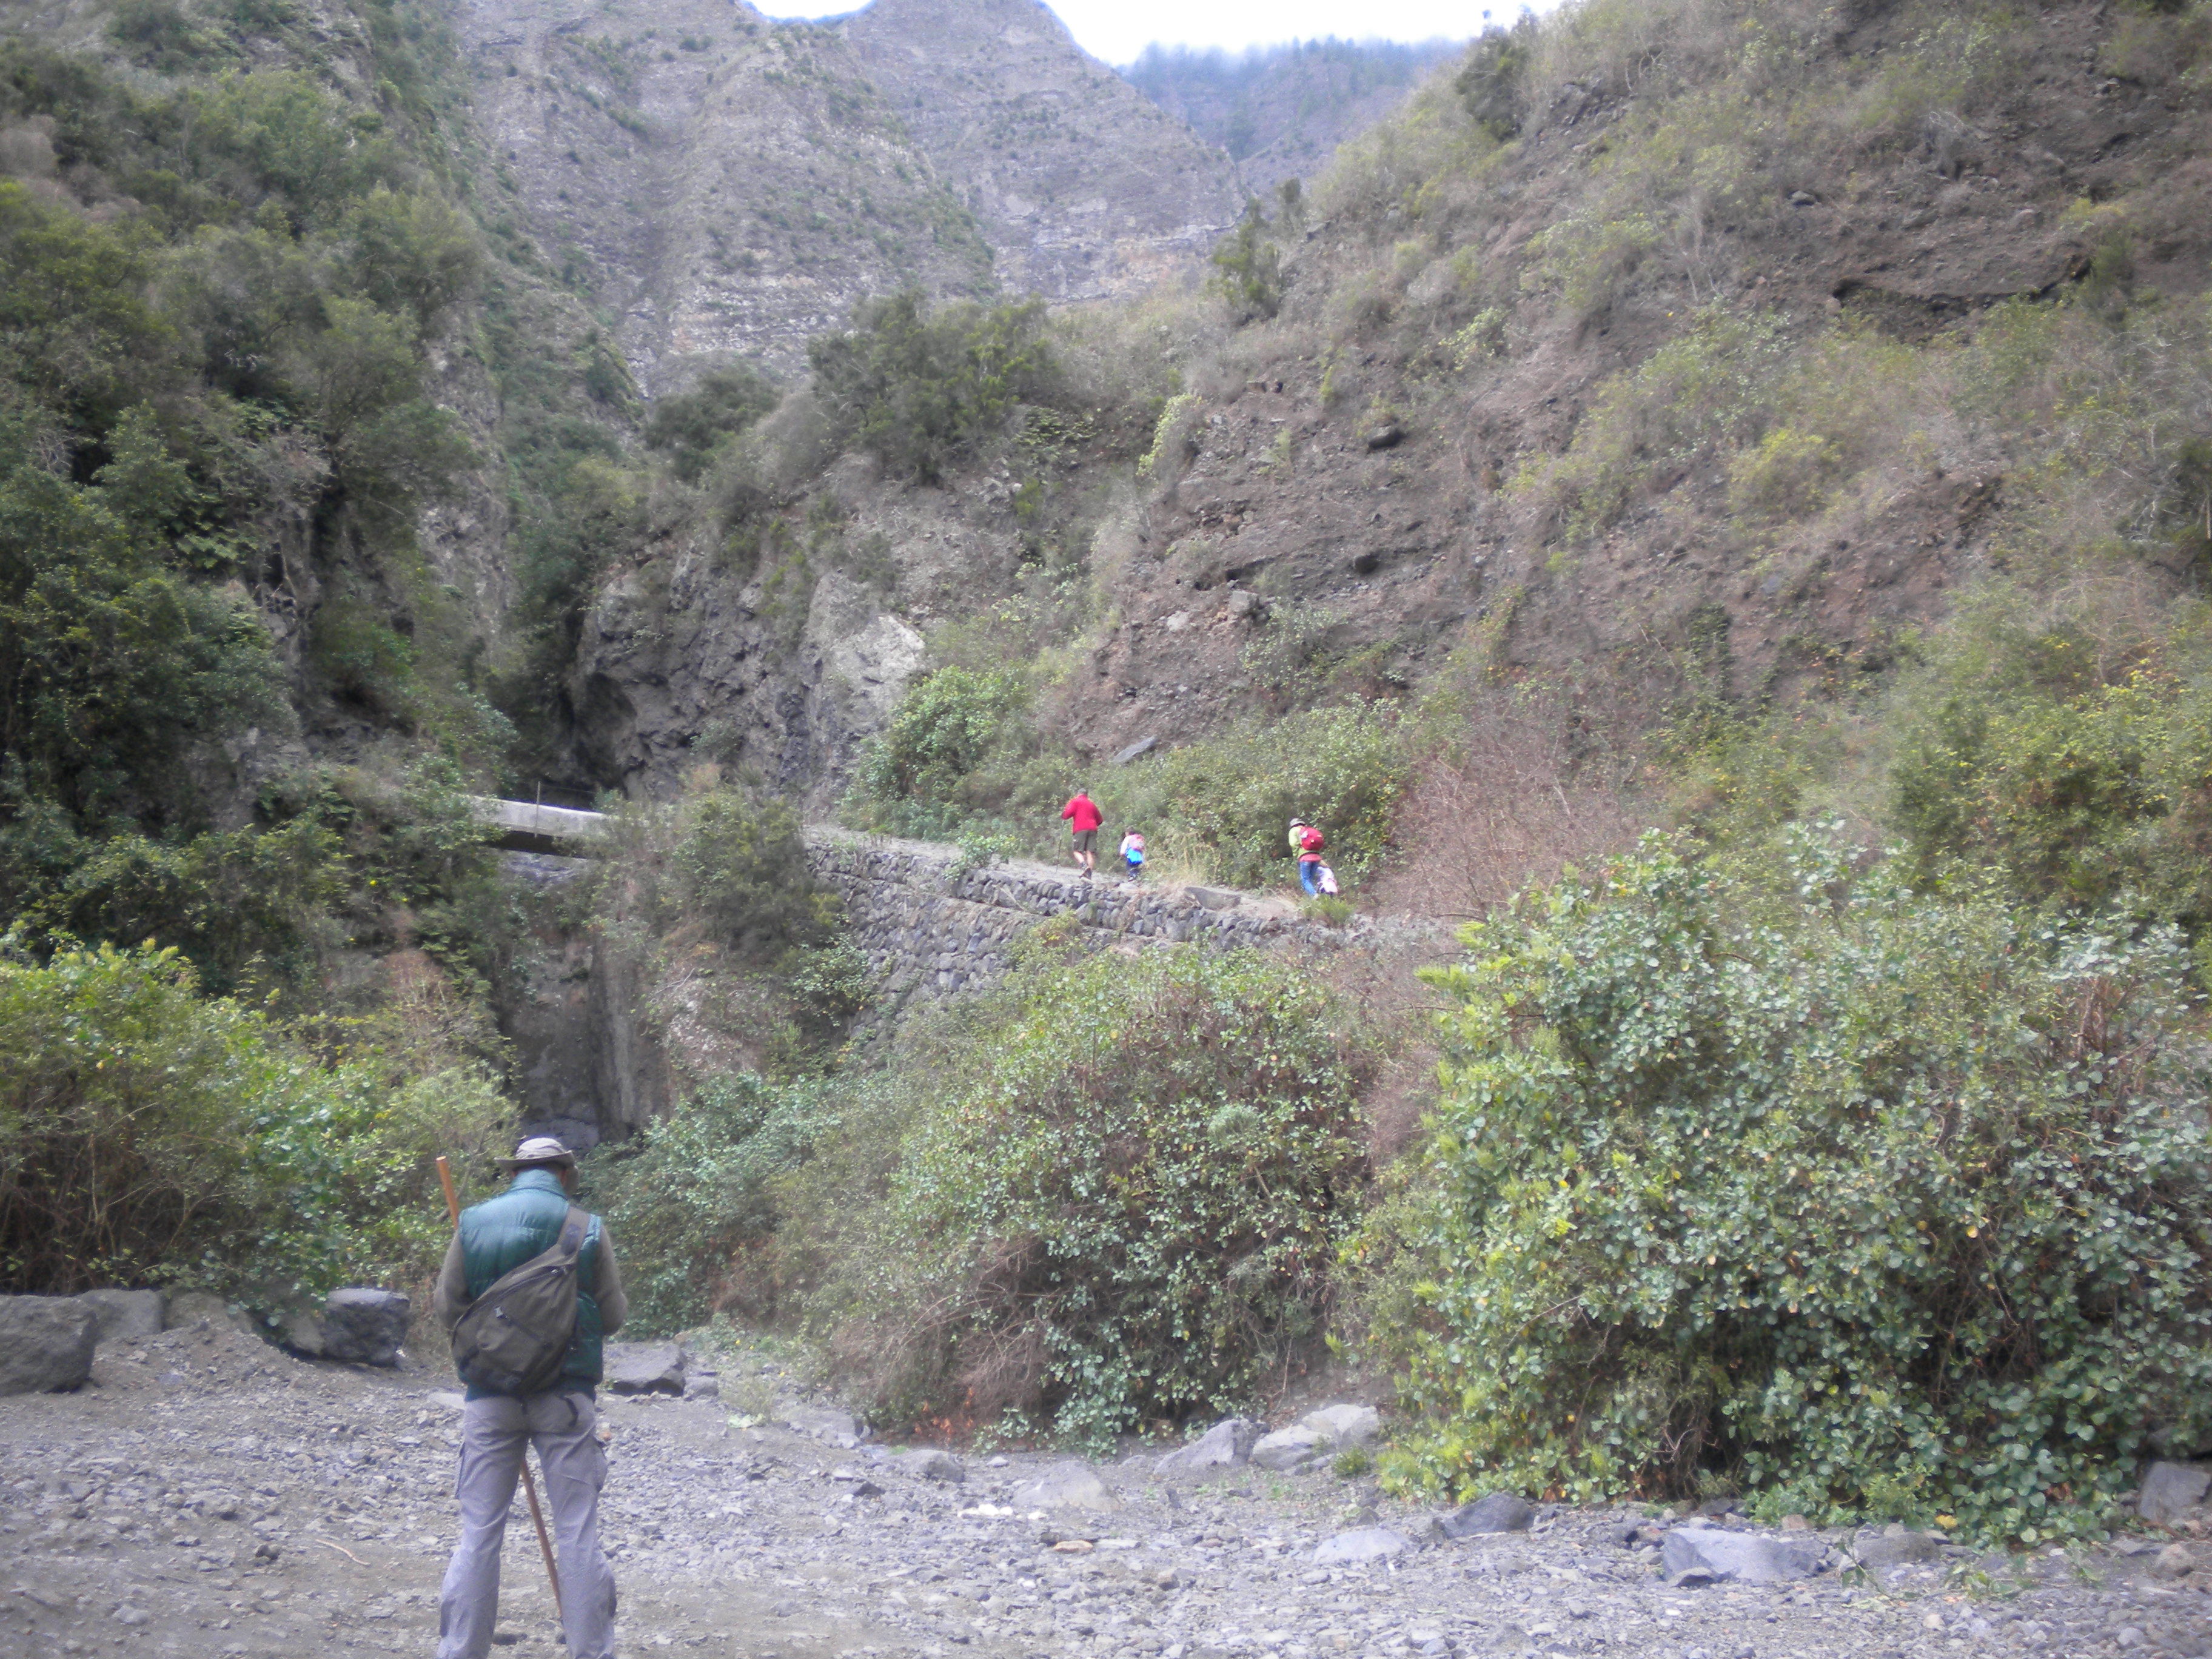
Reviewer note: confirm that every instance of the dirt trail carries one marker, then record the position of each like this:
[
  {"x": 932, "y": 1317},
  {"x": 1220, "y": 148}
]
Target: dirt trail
[{"x": 207, "y": 1495}]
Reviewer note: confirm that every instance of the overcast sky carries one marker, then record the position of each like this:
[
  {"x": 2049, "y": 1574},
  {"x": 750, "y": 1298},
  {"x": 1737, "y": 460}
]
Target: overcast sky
[{"x": 1117, "y": 30}]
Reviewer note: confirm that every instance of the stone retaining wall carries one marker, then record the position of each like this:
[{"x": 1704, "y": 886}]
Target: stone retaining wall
[{"x": 932, "y": 928}]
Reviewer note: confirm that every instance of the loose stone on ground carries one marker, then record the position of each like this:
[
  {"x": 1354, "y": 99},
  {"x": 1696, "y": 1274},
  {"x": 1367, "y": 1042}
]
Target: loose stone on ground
[{"x": 206, "y": 1495}]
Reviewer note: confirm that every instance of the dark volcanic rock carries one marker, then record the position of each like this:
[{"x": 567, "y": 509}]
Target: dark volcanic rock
[
  {"x": 1501, "y": 1511},
  {"x": 2168, "y": 1489},
  {"x": 1227, "y": 1445},
  {"x": 1708, "y": 1554},
  {"x": 365, "y": 1326},
  {"x": 644, "y": 1368},
  {"x": 125, "y": 1315},
  {"x": 45, "y": 1343}
]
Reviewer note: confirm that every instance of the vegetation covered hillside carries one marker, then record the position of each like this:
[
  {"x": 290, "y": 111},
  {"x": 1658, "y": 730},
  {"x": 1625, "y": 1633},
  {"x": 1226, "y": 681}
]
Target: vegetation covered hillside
[
  {"x": 1774, "y": 427},
  {"x": 1714, "y": 494},
  {"x": 293, "y": 413}
]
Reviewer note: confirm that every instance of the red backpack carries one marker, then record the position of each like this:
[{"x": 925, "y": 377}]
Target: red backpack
[{"x": 1309, "y": 839}]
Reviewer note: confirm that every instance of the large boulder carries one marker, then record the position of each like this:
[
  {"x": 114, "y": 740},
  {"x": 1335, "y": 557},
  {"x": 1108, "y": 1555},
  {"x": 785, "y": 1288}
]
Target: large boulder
[
  {"x": 1713, "y": 1554},
  {"x": 1317, "y": 1435},
  {"x": 1501, "y": 1511},
  {"x": 45, "y": 1343},
  {"x": 644, "y": 1368},
  {"x": 1227, "y": 1445},
  {"x": 2168, "y": 1490},
  {"x": 365, "y": 1326},
  {"x": 1895, "y": 1546},
  {"x": 1067, "y": 1486},
  {"x": 297, "y": 1322},
  {"x": 124, "y": 1315},
  {"x": 186, "y": 1309}
]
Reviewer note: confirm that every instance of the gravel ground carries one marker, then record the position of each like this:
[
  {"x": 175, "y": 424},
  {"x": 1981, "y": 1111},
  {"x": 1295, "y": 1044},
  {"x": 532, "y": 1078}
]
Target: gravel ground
[{"x": 209, "y": 1496}]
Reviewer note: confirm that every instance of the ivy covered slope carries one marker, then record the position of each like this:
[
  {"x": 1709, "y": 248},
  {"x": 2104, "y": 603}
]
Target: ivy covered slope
[
  {"x": 245, "y": 295},
  {"x": 279, "y": 390}
]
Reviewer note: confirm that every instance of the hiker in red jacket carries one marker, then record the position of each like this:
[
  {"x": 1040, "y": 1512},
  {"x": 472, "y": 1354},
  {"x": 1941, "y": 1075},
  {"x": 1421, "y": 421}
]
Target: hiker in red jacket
[
  {"x": 1083, "y": 815},
  {"x": 1305, "y": 846}
]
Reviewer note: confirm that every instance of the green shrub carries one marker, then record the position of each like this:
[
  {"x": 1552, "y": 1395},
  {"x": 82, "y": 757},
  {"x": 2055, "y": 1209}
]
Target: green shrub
[
  {"x": 1810, "y": 1181},
  {"x": 717, "y": 865},
  {"x": 2087, "y": 779},
  {"x": 1248, "y": 267},
  {"x": 1223, "y": 805},
  {"x": 1489, "y": 82},
  {"x": 688, "y": 425},
  {"x": 113, "y": 662},
  {"x": 917, "y": 390},
  {"x": 961, "y": 758},
  {"x": 1701, "y": 393},
  {"x": 948, "y": 724},
  {"x": 1131, "y": 1209},
  {"x": 241, "y": 905},
  {"x": 148, "y": 1134},
  {"x": 743, "y": 870},
  {"x": 1786, "y": 474},
  {"x": 687, "y": 1194}
]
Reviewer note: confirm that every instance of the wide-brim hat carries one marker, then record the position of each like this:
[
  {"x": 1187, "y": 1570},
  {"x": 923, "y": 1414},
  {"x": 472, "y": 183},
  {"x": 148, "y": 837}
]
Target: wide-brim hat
[{"x": 538, "y": 1149}]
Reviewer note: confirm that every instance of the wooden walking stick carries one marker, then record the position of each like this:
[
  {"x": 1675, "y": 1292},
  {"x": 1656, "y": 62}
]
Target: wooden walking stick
[{"x": 529, "y": 1486}]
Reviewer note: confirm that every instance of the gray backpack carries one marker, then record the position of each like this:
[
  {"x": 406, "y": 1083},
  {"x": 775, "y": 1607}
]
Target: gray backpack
[{"x": 515, "y": 1336}]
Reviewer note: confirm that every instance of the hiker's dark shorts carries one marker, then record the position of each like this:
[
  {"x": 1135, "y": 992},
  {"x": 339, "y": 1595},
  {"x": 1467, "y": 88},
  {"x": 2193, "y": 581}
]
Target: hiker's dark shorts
[{"x": 1086, "y": 840}]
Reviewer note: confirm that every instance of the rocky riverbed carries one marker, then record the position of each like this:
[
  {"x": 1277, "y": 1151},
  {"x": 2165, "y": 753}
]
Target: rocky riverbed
[{"x": 207, "y": 1495}]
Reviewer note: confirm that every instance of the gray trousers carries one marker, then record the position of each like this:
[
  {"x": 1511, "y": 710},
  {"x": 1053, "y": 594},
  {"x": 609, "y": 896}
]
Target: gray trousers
[{"x": 494, "y": 1433}]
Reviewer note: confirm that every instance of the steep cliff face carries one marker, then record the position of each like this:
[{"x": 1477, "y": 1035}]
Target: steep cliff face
[
  {"x": 1084, "y": 188},
  {"x": 782, "y": 669},
  {"x": 719, "y": 184},
  {"x": 726, "y": 185}
]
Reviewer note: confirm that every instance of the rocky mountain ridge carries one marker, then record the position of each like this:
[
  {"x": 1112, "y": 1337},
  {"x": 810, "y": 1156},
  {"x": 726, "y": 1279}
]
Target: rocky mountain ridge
[
  {"x": 1364, "y": 480},
  {"x": 1280, "y": 111},
  {"x": 1084, "y": 189},
  {"x": 723, "y": 185}
]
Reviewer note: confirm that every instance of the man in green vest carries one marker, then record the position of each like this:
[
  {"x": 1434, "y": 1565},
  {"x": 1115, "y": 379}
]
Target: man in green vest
[{"x": 562, "y": 1422}]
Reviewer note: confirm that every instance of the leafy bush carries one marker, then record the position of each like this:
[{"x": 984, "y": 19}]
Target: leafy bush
[
  {"x": 1803, "y": 1178},
  {"x": 1704, "y": 391},
  {"x": 962, "y": 758},
  {"x": 717, "y": 864},
  {"x": 1130, "y": 1208},
  {"x": 1786, "y": 474},
  {"x": 1223, "y": 805},
  {"x": 742, "y": 869},
  {"x": 688, "y": 425},
  {"x": 148, "y": 1134},
  {"x": 946, "y": 727},
  {"x": 1249, "y": 267},
  {"x": 1489, "y": 83},
  {"x": 917, "y": 390},
  {"x": 113, "y": 662},
  {"x": 689, "y": 1193},
  {"x": 2081, "y": 775}
]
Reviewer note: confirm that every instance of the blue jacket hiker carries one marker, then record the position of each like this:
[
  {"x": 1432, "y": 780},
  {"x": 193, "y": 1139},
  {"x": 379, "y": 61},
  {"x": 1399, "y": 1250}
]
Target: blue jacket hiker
[{"x": 494, "y": 1238}]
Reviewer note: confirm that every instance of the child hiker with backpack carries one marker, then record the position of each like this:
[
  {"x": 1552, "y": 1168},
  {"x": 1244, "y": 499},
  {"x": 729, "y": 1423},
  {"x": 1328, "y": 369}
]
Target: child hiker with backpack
[
  {"x": 528, "y": 1290},
  {"x": 1132, "y": 852}
]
